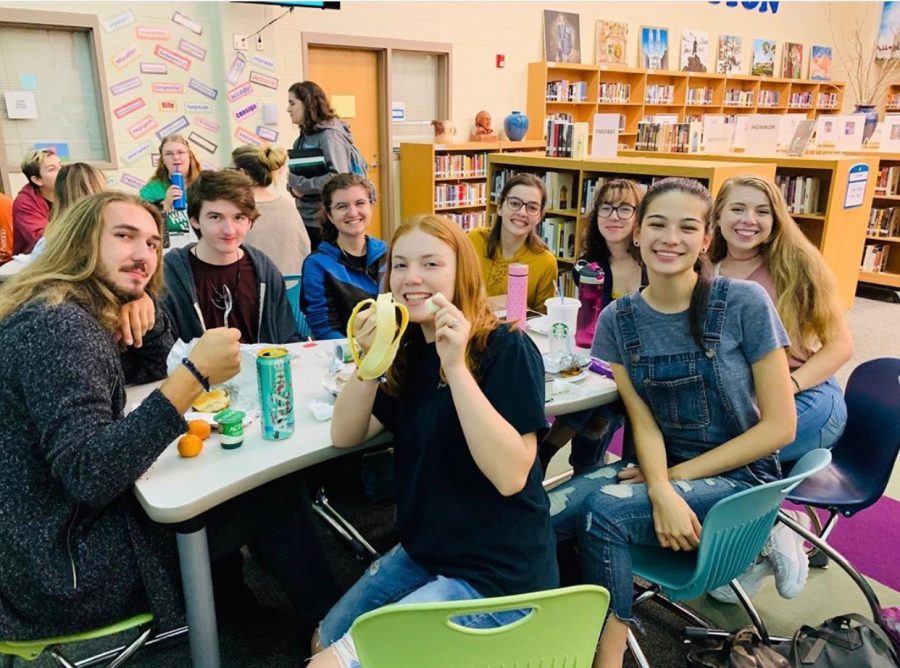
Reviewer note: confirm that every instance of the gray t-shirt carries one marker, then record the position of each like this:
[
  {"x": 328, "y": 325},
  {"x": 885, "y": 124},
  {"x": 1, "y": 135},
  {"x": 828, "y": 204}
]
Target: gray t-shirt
[{"x": 752, "y": 329}]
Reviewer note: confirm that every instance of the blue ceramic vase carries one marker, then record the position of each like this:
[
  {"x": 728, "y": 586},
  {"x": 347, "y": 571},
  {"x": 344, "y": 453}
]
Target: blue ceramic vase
[
  {"x": 871, "y": 113},
  {"x": 516, "y": 125}
]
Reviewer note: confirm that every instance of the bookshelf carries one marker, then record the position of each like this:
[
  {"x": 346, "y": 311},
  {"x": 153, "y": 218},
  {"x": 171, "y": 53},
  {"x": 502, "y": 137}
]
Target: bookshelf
[
  {"x": 892, "y": 99},
  {"x": 838, "y": 233},
  {"x": 584, "y": 173},
  {"x": 632, "y": 92},
  {"x": 450, "y": 178},
  {"x": 884, "y": 226}
]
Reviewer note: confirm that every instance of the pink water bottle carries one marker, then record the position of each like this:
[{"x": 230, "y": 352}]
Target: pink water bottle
[
  {"x": 517, "y": 293},
  {"x": 590, "y": 293}
]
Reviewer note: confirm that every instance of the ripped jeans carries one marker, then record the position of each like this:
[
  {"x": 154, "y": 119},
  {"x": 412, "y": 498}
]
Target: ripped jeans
[{"x": 607, "y": 517}]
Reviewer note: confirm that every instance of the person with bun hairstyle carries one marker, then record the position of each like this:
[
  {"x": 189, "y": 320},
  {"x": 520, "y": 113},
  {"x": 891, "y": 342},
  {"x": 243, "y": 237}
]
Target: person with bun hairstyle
[
  {"x": 464, "y": 399},
  {"x": 348, "y": 265},
  {"x": 320, "y": 128},
  {"x": 700, "y": 364},
  {"x": 279, "y": 231},
  {"x": 175, "y": 154},
  {"x": 513, "y": 238}
]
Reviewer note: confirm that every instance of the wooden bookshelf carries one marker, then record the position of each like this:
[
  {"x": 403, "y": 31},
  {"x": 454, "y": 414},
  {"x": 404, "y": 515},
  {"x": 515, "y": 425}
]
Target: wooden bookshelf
[
  {"x": 421, "y": 180},
  {"x": 888, "y": 277},
  {"x": 640, "y": 82},
  {"x": 838, "y": 233},
  {"x": 712, "y": 173},
  {"x": 891, "y": 103}
]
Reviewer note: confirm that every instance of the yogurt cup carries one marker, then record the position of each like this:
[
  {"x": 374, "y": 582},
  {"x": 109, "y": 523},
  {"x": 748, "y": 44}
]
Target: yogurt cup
[{"x": 231, "y": 428}]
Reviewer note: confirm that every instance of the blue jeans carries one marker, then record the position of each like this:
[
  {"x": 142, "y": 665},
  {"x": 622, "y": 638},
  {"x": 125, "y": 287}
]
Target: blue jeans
[
  {"x": 607, "y": 516},
  {"x": 396, "y": 578},
  {"x": 821, "y": 418},
  {"x": 588, "y": 450}
]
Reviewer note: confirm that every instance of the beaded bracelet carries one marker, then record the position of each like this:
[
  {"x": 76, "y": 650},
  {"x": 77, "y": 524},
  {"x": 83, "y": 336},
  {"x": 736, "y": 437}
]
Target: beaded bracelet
[{"x": 203, "y": 380}]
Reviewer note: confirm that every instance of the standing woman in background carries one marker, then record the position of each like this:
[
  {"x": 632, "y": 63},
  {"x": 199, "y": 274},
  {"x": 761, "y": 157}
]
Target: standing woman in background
[
  {"x": 73, "y": 182},
  {"x": 513, "y": 238},
  {"x": 320, "y": 128},
  {"x": 174, "y": 155},
  {"x": 279, "y": 230}
]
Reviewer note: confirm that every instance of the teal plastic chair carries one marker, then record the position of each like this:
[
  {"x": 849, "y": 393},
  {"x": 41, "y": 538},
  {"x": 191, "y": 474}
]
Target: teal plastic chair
[
  {"x": 292, "y": 284},
  {"x": 561, "y": 629},
  {"x": 32, "y": 649}
]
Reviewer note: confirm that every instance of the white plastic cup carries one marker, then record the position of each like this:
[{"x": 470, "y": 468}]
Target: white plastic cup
[{"x": 562, "y": 314}]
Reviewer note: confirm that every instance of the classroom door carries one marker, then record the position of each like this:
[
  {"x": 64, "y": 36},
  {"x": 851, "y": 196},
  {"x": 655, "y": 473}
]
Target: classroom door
[{"x": 350, "y": 78}]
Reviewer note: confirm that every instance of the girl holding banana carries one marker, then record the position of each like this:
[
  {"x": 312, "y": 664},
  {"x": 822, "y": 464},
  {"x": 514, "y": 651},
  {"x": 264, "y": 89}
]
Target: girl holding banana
[{"x": 464, "y": 400}]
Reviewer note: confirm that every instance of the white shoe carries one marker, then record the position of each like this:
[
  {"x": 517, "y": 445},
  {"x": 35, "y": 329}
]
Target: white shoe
[
  {"x": 786, "y": 553},
  {"x": 751, "y": 580}
]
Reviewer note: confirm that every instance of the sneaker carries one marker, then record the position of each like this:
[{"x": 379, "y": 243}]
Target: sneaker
[
  {"x": 751, "y": 580},
  {"x": 786, "y": 553}
]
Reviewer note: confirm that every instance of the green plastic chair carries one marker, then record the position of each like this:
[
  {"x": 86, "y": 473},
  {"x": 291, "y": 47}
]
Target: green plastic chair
[
  {"x": 561, "y": 630},
  {"x": 32, "y": 649}
]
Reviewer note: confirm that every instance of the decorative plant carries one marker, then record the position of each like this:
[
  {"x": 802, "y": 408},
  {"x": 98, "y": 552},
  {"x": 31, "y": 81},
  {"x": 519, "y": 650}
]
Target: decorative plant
[{"x": 870, "y": 70}]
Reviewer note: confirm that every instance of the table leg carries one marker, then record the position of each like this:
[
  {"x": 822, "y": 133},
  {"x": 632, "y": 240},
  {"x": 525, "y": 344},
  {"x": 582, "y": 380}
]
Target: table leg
[{"x": 196, "y": 580}]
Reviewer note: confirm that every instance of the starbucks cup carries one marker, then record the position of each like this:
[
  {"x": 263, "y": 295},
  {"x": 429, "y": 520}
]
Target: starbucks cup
[{"x": 562, "y": 316}]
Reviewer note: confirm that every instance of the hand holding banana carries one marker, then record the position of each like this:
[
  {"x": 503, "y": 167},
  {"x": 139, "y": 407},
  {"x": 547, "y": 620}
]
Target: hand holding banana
[{"x": 374, "y": 335}]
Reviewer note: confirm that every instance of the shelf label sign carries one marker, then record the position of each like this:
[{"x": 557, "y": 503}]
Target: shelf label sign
[{"x": 857, "y": 180}]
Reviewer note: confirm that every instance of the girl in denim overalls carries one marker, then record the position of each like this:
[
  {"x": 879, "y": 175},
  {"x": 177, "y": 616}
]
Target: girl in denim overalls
[{"x": 701, "y": 367}]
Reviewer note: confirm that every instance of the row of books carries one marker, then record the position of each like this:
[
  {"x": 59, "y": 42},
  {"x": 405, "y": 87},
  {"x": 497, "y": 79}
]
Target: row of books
[
  {"x": 884, "y": 222},
  {"x": 893, "y": 101},
  {"x": 669, "y": 137},
  {"x": 459, "y": 194},
  {"x": 560, "y": 190},
  {"x": 468, "y": 221},
  {"x": 659, "y": 94},
  {"x": 875, "y": 257},
  {"x": 614, "y": 92},
  {"x": 769, "y": 98},
  {"x": 700, "y": 96},
  {"x": 739, "y": 98},
  {"x": 800, "y": 192},
  {"x": 888, "y": 182},
  {"x": 827, "y": 100},
  {"x": 460, "y": 165},
  {"x": 559, "y": 235},
  {"x": 563, "y": 90},
  {"x": 566, "y": 139},
  {"x": 800, "y": 100}
]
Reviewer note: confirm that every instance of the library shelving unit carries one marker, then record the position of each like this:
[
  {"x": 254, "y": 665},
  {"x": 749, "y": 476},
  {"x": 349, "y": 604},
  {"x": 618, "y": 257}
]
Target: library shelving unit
[
  {"x": 633, "y": 93},
  {"x": 884, "y": 225},
  {"x": 584, "y": 173},
  {"x": 838, "y": 233},
  {"x": 450, "y": 178},
  {"x": 892, "y": 99}
]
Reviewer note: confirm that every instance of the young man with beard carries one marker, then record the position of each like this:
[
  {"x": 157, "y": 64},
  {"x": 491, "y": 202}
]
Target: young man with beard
[
  {"x": 76, "y": 325},
  {"x": 219, "y": 281}
]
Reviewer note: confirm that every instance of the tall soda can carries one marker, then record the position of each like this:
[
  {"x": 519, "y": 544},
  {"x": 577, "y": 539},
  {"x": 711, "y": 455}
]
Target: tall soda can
[
  {"x": 276, "y": 393},
  {"x": 177, "y": 179}
]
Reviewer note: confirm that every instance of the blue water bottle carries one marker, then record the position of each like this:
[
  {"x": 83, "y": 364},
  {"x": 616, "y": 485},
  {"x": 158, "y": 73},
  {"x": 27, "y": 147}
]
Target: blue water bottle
[{"x": 179, "y": 204}]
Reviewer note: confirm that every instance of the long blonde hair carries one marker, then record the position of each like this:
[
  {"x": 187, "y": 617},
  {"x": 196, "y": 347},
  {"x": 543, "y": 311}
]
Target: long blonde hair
[
  {"x": 69, "y": 268},
  {"x": 73, "y": 182},
  {"x": 469, "y": 294},
  {"x": 804, "y": 284}
]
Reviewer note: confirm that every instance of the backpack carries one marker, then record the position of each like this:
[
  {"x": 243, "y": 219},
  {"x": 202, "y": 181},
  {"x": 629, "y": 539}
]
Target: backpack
[
  {"x": 358, "y": 164},
  {"x": 842, "y": 642},
  {"x": 742, "y": 649}
]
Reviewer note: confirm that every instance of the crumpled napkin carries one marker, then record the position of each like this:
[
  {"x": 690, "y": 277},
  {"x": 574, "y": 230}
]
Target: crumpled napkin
[
  {"x": 563, "y": 387},
  {"x": 321, "y": 410}
]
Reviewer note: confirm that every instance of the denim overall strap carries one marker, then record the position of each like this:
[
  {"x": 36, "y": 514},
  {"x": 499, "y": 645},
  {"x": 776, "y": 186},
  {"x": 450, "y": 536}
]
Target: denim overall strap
[
  {"x": 714, "y": 321},
  {"x": 631, "y": 340}
]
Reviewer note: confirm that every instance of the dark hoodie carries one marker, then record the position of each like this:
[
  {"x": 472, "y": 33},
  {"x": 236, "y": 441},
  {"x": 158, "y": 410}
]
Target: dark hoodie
[
  {"x": 276, "y": 321},
  {"x": 335, "y": 140}
]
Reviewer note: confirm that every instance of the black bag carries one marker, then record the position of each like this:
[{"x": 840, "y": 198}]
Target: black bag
[
  {"x": 742, "y": 649},
  {"x": 846, "y": 641},
  {"x": 307, "y": 162}
]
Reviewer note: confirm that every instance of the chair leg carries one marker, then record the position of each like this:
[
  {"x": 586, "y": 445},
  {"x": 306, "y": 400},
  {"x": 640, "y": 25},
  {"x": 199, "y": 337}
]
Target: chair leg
[
  {"x": 839, "y": 559},
  {"x": 344, "y": 529},
  {"x": 636, "y": 650},
  {"x": 751, "y": 611},
  {"x": 61, "y": 661}
]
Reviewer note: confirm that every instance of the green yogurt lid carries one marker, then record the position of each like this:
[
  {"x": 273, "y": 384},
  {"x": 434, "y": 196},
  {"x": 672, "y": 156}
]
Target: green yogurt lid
[{"x": 229, "y": 416}]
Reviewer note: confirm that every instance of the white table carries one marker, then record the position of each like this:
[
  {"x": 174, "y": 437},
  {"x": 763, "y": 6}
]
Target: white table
[
  {"x": 178, "y": 491},
  {"x": 11, "y": 268}
]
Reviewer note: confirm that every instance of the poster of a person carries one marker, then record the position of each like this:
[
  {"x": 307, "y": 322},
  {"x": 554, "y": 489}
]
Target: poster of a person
[{"x": 562, "y": 37}]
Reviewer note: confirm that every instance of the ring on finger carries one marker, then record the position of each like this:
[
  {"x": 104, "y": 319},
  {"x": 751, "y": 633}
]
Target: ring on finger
[{"x": 453, "y": 323}]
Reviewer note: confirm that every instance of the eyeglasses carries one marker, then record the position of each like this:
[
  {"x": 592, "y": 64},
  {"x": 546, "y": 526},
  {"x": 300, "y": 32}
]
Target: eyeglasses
[
  {"x": 532, "y": 208},
  {"x": 175, "y": 154},
  {"x": 344, "y": 207},
  {"x": 623, "y": 211}
]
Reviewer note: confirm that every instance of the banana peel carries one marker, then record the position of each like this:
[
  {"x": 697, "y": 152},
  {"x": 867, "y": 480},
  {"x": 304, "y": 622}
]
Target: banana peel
[{"x": 386, "y": 342}]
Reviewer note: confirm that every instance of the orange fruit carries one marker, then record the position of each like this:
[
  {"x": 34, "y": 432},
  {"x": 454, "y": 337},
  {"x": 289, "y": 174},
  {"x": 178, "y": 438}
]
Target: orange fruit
[
  {"x": 190, "y": 445},
  {"x": 200, "y": 428}
]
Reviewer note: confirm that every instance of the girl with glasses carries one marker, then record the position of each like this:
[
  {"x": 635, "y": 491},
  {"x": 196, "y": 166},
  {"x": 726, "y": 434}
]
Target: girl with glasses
[
  {"x": 513, "y": 238},
  {"x": 607, "y": 242},
  {"x": 700, "y": 364},
  {"x": 348, "y": 264},
  {"x": 174, "y": 155}
]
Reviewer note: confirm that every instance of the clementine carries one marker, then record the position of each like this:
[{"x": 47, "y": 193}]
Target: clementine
[
  {"x": 190, "y": 445},
  {"x": 200, "y": 428}
]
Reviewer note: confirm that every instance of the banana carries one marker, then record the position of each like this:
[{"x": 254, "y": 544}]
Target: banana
[{"x": 387, "y": 336}]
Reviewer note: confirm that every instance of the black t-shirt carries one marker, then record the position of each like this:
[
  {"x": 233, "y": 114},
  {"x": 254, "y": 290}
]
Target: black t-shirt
[
  {"x": 452, "y": 520},
  {"x": 240, "y": 278}
]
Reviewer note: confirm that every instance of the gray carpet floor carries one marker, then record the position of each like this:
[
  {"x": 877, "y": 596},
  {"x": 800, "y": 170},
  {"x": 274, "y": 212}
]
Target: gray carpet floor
[{"x": 876, "y": 328}]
